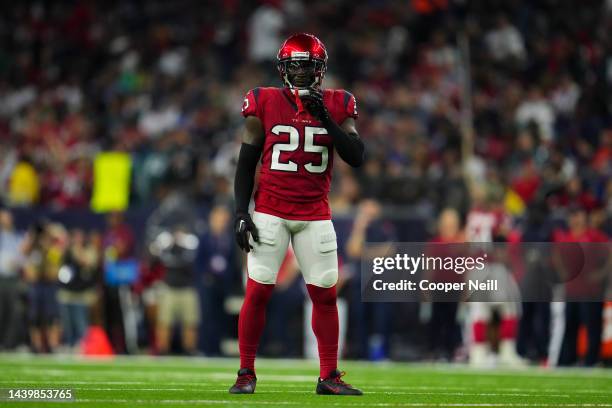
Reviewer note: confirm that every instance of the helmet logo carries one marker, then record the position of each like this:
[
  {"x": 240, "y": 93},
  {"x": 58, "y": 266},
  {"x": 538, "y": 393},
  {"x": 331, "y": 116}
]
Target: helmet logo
[{"x": 300, "y": 55}]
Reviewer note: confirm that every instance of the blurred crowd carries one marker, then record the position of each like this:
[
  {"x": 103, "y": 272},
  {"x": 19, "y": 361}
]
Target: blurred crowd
[{"x": 164, "y": 82}]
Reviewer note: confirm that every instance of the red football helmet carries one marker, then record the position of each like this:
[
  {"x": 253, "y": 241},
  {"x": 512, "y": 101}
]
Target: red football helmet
[{"x": 302, "y": 61}]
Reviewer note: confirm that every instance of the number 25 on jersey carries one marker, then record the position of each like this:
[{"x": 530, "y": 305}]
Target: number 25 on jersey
[{"x": 294, "y": 143}]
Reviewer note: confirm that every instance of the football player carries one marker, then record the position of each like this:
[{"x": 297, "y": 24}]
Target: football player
[
  {"x": 488, "y": 221},
  {"x": 294, "y": 130}
]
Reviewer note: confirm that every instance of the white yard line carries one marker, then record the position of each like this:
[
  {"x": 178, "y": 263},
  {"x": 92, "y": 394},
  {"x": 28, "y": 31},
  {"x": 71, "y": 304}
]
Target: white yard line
[
  {"x": 70, "y": 382},
  {"x": 350, "y": 403},
  {"x": 146, "y": 372},
  {"x": 208, "y": 376},
  {"x": 77, "y": 389},
  {"x": 307, "y": 391},
  {"x": 187, "y": 402},
  {"x": 369, "y": 391}
]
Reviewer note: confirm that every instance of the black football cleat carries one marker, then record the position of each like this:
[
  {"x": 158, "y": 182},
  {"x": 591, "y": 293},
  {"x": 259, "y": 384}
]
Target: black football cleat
[
  {"x": 333, "y": 385},
  {"x": 245, "y": 383}
]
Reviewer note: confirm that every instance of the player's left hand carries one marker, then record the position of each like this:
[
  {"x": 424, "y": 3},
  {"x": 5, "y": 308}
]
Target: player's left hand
[
  {"x": 242, "y": 227},
  {"x": 315, "y": 105}
]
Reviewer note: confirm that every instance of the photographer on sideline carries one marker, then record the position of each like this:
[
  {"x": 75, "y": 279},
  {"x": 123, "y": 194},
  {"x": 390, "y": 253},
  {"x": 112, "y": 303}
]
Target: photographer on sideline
[
  {"x": 176, "y": 250},
  {"x": 44, "y": 250}
]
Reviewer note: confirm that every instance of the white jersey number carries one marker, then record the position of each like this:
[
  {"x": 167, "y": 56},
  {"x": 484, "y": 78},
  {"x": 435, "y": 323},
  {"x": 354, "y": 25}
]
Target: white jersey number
[{"x": 294, "y": 143}]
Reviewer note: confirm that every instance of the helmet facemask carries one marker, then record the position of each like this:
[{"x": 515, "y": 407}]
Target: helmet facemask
[{"x": 302, "y": 73}]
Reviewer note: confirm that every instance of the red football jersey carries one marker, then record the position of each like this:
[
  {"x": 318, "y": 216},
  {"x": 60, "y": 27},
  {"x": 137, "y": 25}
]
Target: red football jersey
[
  {"x": 482, "y": 225},
  {"x": 297, "y": 158}
]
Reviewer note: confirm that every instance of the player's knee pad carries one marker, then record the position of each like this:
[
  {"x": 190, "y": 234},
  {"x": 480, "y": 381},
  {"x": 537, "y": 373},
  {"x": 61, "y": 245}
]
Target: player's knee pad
[
  {"x": 262, "y": 274},
  {"x": 324, "y": 268},
  {"x": 325, "y": 279}
]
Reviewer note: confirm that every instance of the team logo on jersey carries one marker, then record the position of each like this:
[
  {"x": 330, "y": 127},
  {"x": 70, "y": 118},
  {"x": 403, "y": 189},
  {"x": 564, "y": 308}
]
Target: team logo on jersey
[{"x": 245, "y": 104}]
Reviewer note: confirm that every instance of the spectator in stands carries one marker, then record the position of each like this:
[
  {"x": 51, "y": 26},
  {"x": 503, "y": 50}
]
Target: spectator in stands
[
  {"x": 265, "y": 27},
  {"x": 24, "y": 185},
  {"x": 8, "y": 159},
  {"x": 537, "y": 109},
  {"x": 182, "y": 162},
  {"x": 505, "y": 41},
  {"x": 75, "y": 190}
]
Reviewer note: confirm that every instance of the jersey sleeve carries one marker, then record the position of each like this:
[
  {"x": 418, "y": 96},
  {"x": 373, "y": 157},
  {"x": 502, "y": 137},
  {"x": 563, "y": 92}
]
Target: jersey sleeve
[
  {"x": 251, "y": 105},
  {"x": 350, "y": 105}
]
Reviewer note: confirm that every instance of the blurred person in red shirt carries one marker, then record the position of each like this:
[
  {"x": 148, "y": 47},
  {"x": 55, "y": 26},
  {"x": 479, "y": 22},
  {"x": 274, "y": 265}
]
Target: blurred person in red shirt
[
  {"x": 527, "y": 182},
  {"x": 576, "y": 195},
  {"x": 603, "y": 155},
  {"x": 75, "y": 185}
]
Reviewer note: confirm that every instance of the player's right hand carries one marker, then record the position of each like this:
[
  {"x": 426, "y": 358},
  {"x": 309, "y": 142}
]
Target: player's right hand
[
  {"x": 315, "y": 105},
  {"x": 244, "y": 225}
]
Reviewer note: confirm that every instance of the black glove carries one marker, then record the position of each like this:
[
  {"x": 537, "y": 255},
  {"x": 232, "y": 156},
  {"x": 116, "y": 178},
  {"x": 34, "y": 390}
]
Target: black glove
[
  {"x": 242, "y": 226},
  {"x": 314, "y": 103}
]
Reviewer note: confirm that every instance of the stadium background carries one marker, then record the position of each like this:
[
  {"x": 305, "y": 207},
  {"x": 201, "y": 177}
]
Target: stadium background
[{"x": 161, "y": 84}]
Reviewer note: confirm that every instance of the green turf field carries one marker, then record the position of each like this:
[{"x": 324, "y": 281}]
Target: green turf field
[{"x": 181, "y": 382}]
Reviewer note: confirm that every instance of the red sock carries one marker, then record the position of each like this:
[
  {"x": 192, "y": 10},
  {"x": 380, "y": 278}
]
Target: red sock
[
  {"x": 325, "y": 327},
  {"x": 252, "y": 320},
  {"x": 479, "y": 331},
  {"x": 508, "y": 328}
]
